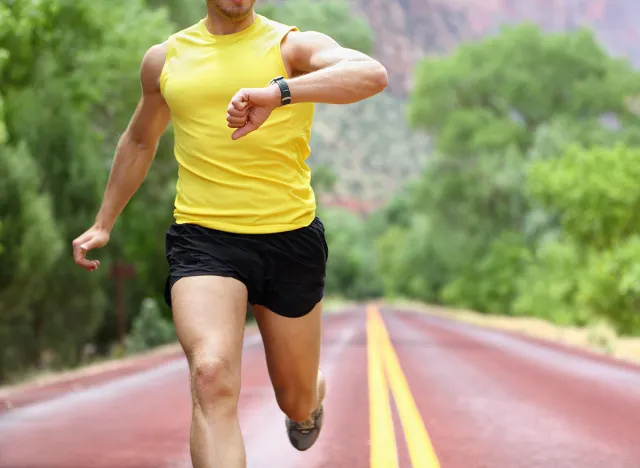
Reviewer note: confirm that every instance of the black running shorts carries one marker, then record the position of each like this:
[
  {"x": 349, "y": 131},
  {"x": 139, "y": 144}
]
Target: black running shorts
[{"x": 284, "y": 271}]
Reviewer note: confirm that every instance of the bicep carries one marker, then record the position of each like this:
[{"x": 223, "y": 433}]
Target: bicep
[
  {"x": 310, "y": 51},
  {"x": 152, "y": 115},
  {"x": 149, "y": 120}
]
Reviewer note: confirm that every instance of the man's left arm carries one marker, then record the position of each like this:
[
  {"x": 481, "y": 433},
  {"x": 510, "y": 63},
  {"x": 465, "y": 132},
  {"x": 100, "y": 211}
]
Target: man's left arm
[
  {"x": 325, "y": 72},
  {"x": 322, "y": 71}
]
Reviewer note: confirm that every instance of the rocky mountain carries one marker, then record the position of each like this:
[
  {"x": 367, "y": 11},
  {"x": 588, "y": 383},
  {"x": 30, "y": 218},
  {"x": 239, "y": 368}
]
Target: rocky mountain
[{"x": 409, "y": 29}]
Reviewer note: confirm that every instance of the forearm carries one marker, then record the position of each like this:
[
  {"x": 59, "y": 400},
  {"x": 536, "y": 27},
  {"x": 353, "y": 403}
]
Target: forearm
[
  {"x": 130, "y": 166},
  {"x": 345, "y": 82}
]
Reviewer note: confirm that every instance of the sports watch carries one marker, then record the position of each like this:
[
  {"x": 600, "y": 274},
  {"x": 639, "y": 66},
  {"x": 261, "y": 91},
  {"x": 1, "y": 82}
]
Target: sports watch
[{"x": 285, "y": 93}]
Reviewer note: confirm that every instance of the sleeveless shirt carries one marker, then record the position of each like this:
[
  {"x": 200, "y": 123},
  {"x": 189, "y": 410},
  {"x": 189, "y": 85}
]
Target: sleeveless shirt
[{"x": 259, "y": 183}]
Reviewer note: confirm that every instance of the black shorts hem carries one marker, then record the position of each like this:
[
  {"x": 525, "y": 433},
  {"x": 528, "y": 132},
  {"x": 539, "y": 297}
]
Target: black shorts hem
[
  {"x": 293, "y": 312},
  {"x": 173, "y": 279}
]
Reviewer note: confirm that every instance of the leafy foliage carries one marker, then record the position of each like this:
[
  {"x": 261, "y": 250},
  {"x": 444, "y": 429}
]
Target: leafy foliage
[
  {"x": 610, "y": 286},
  {"x": 150, "y": 328},
  {"x": 351, "y": 267},
  {"x": 594, "y": 191},
  {"x": 473, "y": 102},
  {"x": 488, "y": 285},
  {"x": 68, "y": 83},
  {"x": 331, "y": 16},
  {"x": 531, "y": 196},
  {"x": 548, "y": 286}
]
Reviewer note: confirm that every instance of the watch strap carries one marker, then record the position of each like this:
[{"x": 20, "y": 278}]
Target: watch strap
[{"x": 285, "y": 92}]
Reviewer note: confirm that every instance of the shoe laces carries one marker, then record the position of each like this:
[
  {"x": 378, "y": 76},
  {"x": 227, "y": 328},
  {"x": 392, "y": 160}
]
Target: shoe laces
[{"x": 310, "y": 422}]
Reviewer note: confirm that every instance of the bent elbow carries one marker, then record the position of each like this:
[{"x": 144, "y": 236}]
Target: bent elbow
[{"x": 379, "y": 78}]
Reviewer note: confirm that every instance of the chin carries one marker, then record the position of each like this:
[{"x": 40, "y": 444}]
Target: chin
[{"x": 236, "y": 10}]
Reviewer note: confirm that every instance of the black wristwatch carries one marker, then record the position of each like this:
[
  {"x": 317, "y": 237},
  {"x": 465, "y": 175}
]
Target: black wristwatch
[{"x": 285, "y": 93}]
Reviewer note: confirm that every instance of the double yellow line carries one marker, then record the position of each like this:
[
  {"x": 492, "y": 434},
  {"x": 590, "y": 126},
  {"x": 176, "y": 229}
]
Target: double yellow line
[{"x": 384, "y": 372}]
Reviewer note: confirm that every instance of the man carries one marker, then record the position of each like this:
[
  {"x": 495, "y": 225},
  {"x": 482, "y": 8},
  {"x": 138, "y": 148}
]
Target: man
[{"x": 245, "y": 225}]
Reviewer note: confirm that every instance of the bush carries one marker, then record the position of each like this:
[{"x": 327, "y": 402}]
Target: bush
[
  {"x": 490, "y": 284},
  {"x": 412, "y": 260},
  {"x": 351, "y": 271},
  {"x": 549, "y": 284},
  {"x": 610, "y": 287},
  {"x": 149, "y": 328},
  {"x": 594, "y": 191}
]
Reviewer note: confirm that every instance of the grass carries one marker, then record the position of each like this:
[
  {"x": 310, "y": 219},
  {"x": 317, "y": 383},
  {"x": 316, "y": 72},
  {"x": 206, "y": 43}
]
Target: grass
[{"x": 598, "y": 337}]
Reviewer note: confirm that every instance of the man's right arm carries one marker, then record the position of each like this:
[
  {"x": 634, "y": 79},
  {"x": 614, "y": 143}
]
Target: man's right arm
[{"x": 134, "y": 154}]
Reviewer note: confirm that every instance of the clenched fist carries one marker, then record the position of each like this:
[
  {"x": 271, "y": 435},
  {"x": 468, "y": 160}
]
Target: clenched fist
[{"x": 250, "y": 108}]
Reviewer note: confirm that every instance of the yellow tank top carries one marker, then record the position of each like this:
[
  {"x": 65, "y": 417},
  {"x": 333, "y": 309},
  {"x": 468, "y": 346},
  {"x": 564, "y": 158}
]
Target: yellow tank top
[{"x": 261, "y": 182}]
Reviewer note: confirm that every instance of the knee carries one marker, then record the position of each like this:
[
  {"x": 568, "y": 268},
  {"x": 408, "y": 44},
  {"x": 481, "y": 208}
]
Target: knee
[
  {"x": 215, "y": 381},
  {"x": 297, "y": 403}
]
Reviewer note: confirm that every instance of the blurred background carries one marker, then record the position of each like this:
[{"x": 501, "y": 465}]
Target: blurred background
[{"x": 498, "y": 172}]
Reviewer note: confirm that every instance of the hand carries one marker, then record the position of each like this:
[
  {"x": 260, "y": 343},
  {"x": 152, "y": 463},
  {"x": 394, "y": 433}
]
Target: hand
[
  {"x": 94, "y": 238},
  {"x": 250, "y": 108}
]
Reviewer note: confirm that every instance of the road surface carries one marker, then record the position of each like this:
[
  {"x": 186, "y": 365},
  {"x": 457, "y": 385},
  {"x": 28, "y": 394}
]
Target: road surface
[{"x": 405, "y": 390}]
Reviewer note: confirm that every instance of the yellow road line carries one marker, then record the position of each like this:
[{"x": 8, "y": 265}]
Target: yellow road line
[
  {"x": 420, "y": 447},
  {"x": 384, "y": 453}
]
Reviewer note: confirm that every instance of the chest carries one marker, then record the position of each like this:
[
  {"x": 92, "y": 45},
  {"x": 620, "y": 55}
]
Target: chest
[{"x": 204, "y": 78}]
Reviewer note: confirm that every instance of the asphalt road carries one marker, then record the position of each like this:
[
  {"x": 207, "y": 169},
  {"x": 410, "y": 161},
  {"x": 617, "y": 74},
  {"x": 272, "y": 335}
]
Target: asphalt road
[{"x": 405, "y": 390}]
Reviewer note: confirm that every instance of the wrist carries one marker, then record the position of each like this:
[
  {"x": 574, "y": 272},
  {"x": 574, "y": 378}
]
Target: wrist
[
  {"x": 275, "y": 97},
  {"x": 103, "y": 225},
  {"x": 281, "y": 89}
]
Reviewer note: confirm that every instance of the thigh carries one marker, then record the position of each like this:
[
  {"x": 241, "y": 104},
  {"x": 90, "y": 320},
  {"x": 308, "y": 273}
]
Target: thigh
[
  {"x": 292, "y": 347},
  {"x": 193, "y": 250},
  {"x": 209, "y": 314}
]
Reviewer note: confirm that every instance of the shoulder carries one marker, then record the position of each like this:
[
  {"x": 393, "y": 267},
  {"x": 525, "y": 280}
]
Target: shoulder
[
  {"x": 152, "y": 64},
  {"x": 155, "y": 55}
]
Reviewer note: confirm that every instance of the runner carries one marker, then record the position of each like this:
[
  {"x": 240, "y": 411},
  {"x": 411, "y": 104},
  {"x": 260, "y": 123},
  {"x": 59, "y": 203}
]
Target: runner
[{"x": 239, "y": 90}]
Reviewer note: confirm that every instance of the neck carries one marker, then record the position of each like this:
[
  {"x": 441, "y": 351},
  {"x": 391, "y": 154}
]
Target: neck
[{"x": 218, "y": 25}]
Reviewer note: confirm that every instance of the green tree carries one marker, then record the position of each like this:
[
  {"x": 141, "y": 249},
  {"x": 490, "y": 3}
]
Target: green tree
[
  {"x": 183, "y": 13},
  {"x": 593, "y": 191},
  {"x": 493, "y": 108},
  {"x": 548, "y": 285},
  {"x": 496, "y": 93},
  {"x": 323, "y": 179},
  {"x": 411, "y": 261},
  {"x": 490, "y": 284},
  {"x": 69, "y": 82},
  {"x": 351, "y": 266},
  {"x": 595, "y": 196},
  {"x": 333, "y": 17},
  {"x": 610, "y": 286},
  {"x": 35, "y": 244}
]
